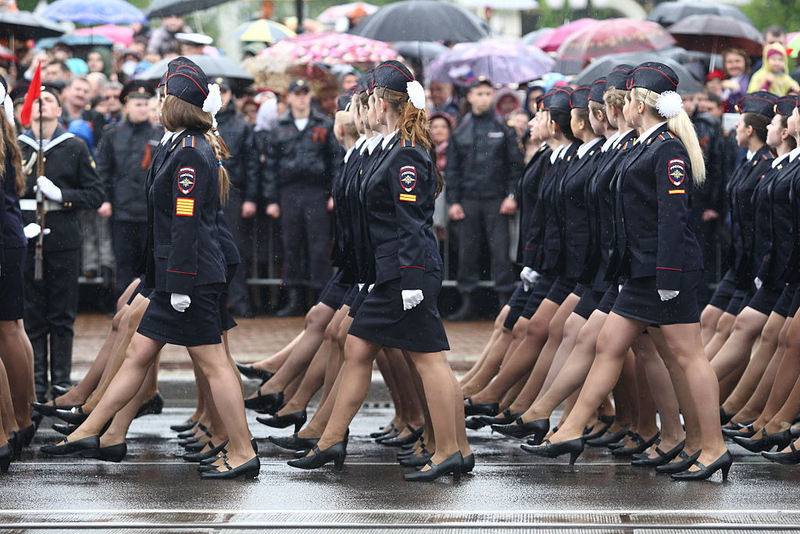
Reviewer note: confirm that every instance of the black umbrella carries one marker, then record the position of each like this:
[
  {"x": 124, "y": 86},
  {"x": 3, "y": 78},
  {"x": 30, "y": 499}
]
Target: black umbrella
[
  {"x": 165, "y": 8},
  {"x": 419, "y": 49},
  {"x": 213, "y": 67},
  {"x": 423, "y": 20},
  {"x": 602, "y": 66},
  {"x": 668, "y": 13},
  {"x": 714, "y": 33},
  {"x": 26, "y": 25}
]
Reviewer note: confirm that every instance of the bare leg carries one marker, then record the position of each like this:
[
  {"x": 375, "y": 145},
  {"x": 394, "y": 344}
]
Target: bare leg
[
  {"x": 491, "y": 365},
  {"x": 122, "y": 421},
  {"x": 15, "y": 361},
  {"x": 736, "y": 350},
  {"x": 310, "y": 384},
  {"x": 723, "y": 330},
  {"x": 6, "y": 405},
  {"x": 409, "y": 395},
  {"x": 496, "y": 330},
  {"x": 708, "y": 322},
  {"x": 571, "y": 329},
  {"x": 26, "y": 343},
  {"x": 274, "y": 362}
]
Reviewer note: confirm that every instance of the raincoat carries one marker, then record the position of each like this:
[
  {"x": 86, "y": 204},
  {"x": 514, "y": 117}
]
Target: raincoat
[{"x": 781, "y": 82}]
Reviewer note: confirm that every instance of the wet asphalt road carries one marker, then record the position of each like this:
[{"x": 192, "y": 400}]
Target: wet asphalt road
[{"x": 509, "y": 491}]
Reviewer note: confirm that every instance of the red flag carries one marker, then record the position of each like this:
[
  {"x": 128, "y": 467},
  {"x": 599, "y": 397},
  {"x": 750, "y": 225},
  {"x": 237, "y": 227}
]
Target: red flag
[{"x": 34, "y": 92}]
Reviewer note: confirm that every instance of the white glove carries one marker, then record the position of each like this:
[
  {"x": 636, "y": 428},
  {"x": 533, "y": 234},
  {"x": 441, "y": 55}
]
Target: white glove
[
  {"x": 758, "y": 283},
  {"x": 411, "y": 297},
  {"x": 33, "y": 230},
  {"x": 360, "y": 287},
  {"x": 369, "y": 289},
  {"x": 180, "y": 302},
  {"x": 667, "y": 294},
  {"x": 529, "y": 278},
  {"x": 619, "y": 288},
  {"x": 49, "y": 189}
]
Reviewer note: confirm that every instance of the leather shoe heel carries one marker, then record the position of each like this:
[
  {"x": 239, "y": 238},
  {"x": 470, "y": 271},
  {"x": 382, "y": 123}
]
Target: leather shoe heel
[
  {"x": 5, "y": 458},
  {"x": 481, "y": 408},
  {"x": 336, "y": 453},
  {"x": 519, "y": 429},
  {"x": 298, "y": 419},
  {"x": 451, "y": 466},
  {"x": 269, "y": 403},
  {"x": 249, "y": 469},
  {"x": 251, "y": 372},
  {"x": 553, "y": 450},
  {"x": 723, "y": 463}
]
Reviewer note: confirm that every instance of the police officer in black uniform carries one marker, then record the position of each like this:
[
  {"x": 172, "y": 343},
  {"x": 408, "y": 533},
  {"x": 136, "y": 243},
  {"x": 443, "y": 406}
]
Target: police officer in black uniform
[
  {"x": 484, "y": 165},
  {"x": 123, "y": 161},
  {"x": 70, "y": 183},
  {"x": 301, "y": 160}
]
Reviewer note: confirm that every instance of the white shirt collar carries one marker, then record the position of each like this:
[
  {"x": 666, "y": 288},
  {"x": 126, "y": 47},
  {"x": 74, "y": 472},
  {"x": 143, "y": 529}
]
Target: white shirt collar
[
  {"x": 650, "y": 131},
  {"x": 360, "y": 141},
  {"x": 373, "y": 143},
  {"x": 622, "y": 136},
  {"x": 301, "y": 123},
  {"x": 166, "y": 137},
  {"x": 750, "y": 155},
  {"x": 555, "y": 154},
  {"x": 794, "y": 153},
  {"x": 586, "y": 147},
  {"x": 348, "y": 153},
  {"x": 388, "y": 139},
  {"x": 610, "y": 141},
  {"x": 366, "y": 144},
  {"x": 779, "y": 159}
]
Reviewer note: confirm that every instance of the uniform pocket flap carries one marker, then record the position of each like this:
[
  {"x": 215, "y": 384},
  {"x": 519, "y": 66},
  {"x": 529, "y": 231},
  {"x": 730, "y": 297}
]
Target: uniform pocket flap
[
  {"x": 162, "y": 251},
  {"x": 387, "y": 249}
]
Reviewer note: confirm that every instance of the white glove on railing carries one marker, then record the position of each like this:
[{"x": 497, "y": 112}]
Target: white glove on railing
[
  {"x": 411, "y": 298},
  {"x": 667, "y": 294},
  {"x": 180, "y": 302},
  {"x": 758, "y": 283},
  {"x": 33, "y": 230},
  {"x": 49, "y": 189},
  {"x": 529, "y": 278}
]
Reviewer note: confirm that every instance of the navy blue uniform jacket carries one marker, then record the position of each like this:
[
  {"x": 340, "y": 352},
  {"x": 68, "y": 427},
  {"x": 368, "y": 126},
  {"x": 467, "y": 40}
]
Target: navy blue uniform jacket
[
  {"x": 183, "y": 206},
  {"x": 651, "y": 213},
  {"x": 528, "y": 196}
]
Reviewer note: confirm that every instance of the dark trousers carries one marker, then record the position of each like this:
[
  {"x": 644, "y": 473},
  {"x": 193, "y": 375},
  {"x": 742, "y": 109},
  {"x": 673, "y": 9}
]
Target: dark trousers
[
  {"x": 129, "y": 240},
  {"x": 51, "y": 306},
  {"x": 305, "y": 220},
  {"x": 242, "y": 230},
  {"x": 483, "y": 219}
]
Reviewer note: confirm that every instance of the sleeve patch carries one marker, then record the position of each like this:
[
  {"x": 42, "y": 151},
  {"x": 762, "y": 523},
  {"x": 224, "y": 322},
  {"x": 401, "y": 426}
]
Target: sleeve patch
[
  {"x": 408, "y": 178},
  {"x": 677, "y": 191},
  {"x": 184, "y": 207},
  {"x": 676, "y": 171},
  {"x": 186, "y": 179},
  {"x": 408, "y": 198}
]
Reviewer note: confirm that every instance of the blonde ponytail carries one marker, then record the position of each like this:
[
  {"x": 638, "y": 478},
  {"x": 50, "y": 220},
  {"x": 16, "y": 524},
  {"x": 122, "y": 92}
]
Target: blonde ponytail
[
  {"x": 221, "y": 153},
  {"x": 682, "y": 127}
]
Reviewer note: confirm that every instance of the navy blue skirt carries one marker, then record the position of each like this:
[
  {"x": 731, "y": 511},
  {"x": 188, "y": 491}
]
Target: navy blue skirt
[
  {"x": 561, "y": 289},
  {"x": 350, "y": 296},
  {"x": 199, "y": 325},
  {"x": 516, "y": 304},
  {"x": 226, "y": 319},
  {"x": 12, "y": 296},
  {"x": 724, "y": 293},
  {"x": 140, "y": 290},
  {"x": 639, "y": 300},
  {"x": 335, "y": 292},
  {"x": 795, "y": 303},
  {"x": 588, "y": 303},
  {"x": 537, "y": 294},
  {"x": 358, "y": 300},
  {"x": 765, "y": 299},
  {"x": 785, "y": 301},
  {"x": 606, "y": 304},
  {"x": 381, "y": 318},
  {"x": 738, "y": 302}
]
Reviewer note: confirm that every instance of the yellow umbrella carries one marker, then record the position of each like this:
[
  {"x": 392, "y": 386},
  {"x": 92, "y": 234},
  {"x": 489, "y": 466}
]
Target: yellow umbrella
[{"x": 265, "y": 31}]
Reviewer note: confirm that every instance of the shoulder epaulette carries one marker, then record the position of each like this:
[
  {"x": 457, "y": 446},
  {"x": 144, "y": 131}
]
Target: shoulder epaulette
[
  {"x": 767, "y": 156},
  {"x": 666, "y": 135},
  {"x": 188, "y": 142},
  {"x": 408, "y": 144}
]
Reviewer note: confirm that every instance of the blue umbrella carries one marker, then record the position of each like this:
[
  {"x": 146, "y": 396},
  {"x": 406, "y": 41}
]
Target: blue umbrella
[
  {"x": 94, "y": 12},
  {"x": 73, "y": 40}
]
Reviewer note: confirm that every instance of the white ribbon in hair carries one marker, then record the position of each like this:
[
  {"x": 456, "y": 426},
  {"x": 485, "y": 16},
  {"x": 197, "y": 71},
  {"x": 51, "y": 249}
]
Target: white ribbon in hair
[
  {"x": 8, "y": 105},
  {"x": 669, "y": 104},
  {"x": 416, "y": 94},
  {"x": 213, "y": 102}
]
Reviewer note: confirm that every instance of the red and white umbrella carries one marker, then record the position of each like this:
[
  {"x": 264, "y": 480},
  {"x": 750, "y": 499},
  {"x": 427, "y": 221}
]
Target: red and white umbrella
[{"x": 331, "y": 49}]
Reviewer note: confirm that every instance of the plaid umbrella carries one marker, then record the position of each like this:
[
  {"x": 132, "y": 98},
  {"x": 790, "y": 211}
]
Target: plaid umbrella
[
  {"x": 612, "y": 36},
  {"x": 262, "y": 31},
  {"x": 498, "y": 60},
  {"x": 331, "y": 49},
  {"x": 94, "y": 12}
]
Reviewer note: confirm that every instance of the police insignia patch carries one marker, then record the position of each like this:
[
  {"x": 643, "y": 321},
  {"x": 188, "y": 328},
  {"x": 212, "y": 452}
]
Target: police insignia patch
[
  {"x": 408, "y": 178},
  {"x": 676, "y": 171},
  {"x": 186, "y": 179}
]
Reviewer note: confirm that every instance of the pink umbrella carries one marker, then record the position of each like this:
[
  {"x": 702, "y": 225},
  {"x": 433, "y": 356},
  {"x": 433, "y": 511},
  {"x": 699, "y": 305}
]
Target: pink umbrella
[
  {"x": 117, "y": 34},
  {"x": 551, "y": 41},
  {"x": 331, "y": 49}
]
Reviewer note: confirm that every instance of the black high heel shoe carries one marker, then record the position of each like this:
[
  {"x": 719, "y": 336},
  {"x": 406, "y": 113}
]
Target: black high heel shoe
[
  {"x": 64, "y": 430},
  {"x": 112, "y": 453},
  {"x": 62, "y": 449},
  {"x": 766, "y": 441},
  {"x": 553, "y": 450},
  {"x": 405, "y": 440},
  {"x": 196, "y": 447},
  {"x": 589, "y": 434},
  {"x": 469, "y": 464},
  {"x": 336, "y": 453},
  {"x": 183, "y": 427},
  {"x": 75, "y": 416},
  {"x": 520, "y": 429},
  {"x": 58, "y": 391},
  {"x": 49, "y": 410},
  {"x": 154, "y": 406},
  {"x": 725, "y": 418},
  {"x": 26, "y": 434},
  {"x": 186, "y": 434},
  {"x": 298, "y": 419},
  {"x": 742, "y": 431},
  {"x": 293, "y": 443},
  {"x": 249, "y": 469},
  {"x": 475, "y": 423},
  {"x": 251, "y": 372},
  {"x": 640, "y": 446},
  {"x": 677, "y": 467},
  {"x": 723, "y": 463},
  {"x": 608, "y": 438},
  {"x": 386, "y": 430},
  {"x": 269, "y": 403},
  {"x": 504, "y": 418},
  {"x": 451, "y": 466},
  {"x": 481, "y": 408},
  {"x": 15, "y": 442},
  {"x": 416, "y": 460},
  {"x": 785, "y": 458},
  {"x": 200, "y": 456},
  {"x": 6, "y": 455},
  {"x": 662, "y": 458}
]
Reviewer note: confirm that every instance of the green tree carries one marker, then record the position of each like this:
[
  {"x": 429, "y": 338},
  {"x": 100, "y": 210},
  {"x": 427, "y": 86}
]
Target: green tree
[{"x": 764, "y": 13}]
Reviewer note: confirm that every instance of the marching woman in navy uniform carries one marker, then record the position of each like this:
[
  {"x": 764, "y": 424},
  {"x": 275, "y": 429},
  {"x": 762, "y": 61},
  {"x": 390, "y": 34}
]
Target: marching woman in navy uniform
[
  {"x": 186, "y": 268},
  {"x": 659, "y": 255},
  {"x": 400, "y": 310},
  {"x": 736, "y": 287},
  {"x": 15, "y": 367}
]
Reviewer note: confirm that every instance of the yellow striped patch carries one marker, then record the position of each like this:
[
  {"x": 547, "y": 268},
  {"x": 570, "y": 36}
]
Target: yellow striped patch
[
  {"x": 184, "y": 207},
  {"x": 408, "y": 198},
  {"x": 677, "y": 191}
]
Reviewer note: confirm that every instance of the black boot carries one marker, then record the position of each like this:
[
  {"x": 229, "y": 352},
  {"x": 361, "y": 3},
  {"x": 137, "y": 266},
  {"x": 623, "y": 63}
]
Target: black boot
[
  {"x": 466, "y": 311},
  {"x": 294, "y": 306}
]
